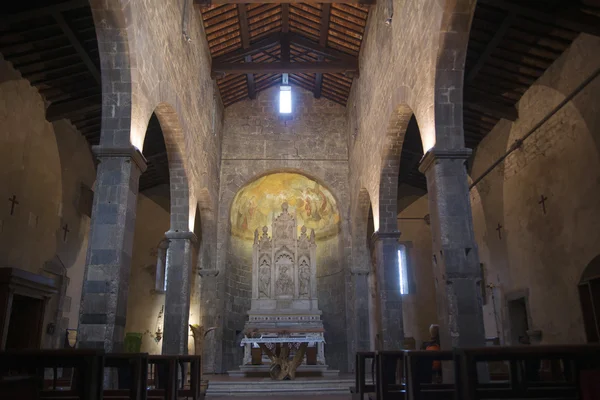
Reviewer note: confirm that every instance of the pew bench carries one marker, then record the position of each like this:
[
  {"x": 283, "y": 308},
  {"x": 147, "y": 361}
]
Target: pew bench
[
  {"x": 523, "y": 381},
  {"x": 361, "y": 387}
]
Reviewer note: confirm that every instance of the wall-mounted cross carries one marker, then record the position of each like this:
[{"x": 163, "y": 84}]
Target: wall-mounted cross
[
  {"x": 499, "y": 229},
  {"x": 543, "y": 202},
  {"x": 66, "y": 230},
  {"x": 14, "y": 202}
]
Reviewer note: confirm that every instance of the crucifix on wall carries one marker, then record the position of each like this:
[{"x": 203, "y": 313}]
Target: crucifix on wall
[
  {"x": 543, "y": 203},
  {"x": 14, "y": 202},
  {"x": 499, "y": 229},
  {"x": 65, "y": 230}
]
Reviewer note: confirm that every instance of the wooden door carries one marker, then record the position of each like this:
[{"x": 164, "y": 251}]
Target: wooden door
[
  {"x": 589, "y": 296},
  {"x": 25, "y": 323}
]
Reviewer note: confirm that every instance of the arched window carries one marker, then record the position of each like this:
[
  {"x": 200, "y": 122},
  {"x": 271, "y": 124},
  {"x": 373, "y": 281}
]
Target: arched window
[{"x": 161, "y": 266}]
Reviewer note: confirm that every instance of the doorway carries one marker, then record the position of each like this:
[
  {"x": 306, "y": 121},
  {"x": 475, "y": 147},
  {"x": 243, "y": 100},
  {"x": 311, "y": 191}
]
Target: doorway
[
  {"x": 24, "y": 327},
  {"x": 518, "y": 319},
  {"x": 589, "y": 297}
]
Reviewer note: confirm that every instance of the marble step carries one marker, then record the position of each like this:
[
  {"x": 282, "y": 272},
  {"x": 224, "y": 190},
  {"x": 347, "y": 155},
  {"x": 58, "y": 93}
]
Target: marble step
[{"x": 265, "y": 387}]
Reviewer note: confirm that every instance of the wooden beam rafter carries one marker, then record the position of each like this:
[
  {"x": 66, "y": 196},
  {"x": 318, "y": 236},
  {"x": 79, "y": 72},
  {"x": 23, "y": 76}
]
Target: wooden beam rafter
[
  {"x": 57, "y": 111},
  {"x": 489, "y": 48},
  {"x": 327, "y": 52},
  {"x": 349, "y": 69},
  {"x": 257, "y": 47},
  {"x": 323, "y": 33},
  {"x": 211, "y": 2},
  {"x": 43, "y": 11},
  {"x": 245, "y": 35},
  {"x": 571, "y": 17},
  {"x": 85, "y": 57},
  {"x": 487, "y": 105}
]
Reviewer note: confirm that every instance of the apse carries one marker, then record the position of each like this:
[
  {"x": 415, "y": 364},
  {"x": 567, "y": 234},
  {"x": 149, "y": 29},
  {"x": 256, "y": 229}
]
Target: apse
[{"x": 314, "y": 207}]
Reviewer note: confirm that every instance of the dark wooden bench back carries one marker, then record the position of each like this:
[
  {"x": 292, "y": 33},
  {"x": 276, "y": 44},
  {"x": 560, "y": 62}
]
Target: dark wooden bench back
[
  {"x": 523, "y": 362},
  {"x": 420, "y": 377},
  {"x": 89, "y": 365},
  {"x": 364, "y": 359},
  {"x": 390, "y": 382}
]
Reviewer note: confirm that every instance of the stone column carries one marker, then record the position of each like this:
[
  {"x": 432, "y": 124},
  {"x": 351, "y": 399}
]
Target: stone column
[
  {"x": 179, "y": 289},
  {"x": 360, "y": 283},
  {"x": 455, "y": 258},
  {"x": 385, "y": 246},
  {"x": 108, "y": 262}
]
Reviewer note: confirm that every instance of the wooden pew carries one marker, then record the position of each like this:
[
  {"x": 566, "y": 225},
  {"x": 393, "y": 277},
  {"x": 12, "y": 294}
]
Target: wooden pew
[
  {"x": 387, "y": 385},
  {"x": 165, "y": 376},
  {"x": 419, "y": 375},
  {"x": 134, "y": 367},
  {"x": 522, "y": 384},
  {"x": 361, "y": 387},
  {"x": 88, "y": 365}
]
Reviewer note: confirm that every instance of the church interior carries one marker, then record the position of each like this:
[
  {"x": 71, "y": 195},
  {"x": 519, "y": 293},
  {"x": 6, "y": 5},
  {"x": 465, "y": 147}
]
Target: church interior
[{"x": 223, "y": 198}]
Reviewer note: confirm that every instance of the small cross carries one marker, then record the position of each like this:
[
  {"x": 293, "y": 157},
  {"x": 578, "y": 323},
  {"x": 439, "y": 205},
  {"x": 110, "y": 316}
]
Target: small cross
[
  {"x": 543, "y": 202},
  {"x": 14, "y": 202},
  {"x": 499, "y": 231},
  {"x": 66, "y": 230}
]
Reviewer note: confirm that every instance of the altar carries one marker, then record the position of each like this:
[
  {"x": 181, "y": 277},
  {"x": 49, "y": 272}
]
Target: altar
[{"x": 284, "y": 330}]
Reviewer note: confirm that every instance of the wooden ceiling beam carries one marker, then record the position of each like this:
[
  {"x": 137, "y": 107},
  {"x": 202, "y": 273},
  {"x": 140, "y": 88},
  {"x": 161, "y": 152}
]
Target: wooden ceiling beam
[
  {"x": 252, "y": 49},
  {"x": 323, "y": 33},
  {"x": 490, "y": 106},
  {"x": 245, "y": 34},
  {"x": 571, "y": 18},
  {"x": 85, "y": 57},
  {"x": 319, "y": 49},
  {"x": 283, "y": 67},
  {"x": 62, "y": 110},
  {"x": 489, "y": 48},
  {"x": 43, "y": 11},
  {"x": 285, "y": 17},
  {"x": 212, "y": 2}
]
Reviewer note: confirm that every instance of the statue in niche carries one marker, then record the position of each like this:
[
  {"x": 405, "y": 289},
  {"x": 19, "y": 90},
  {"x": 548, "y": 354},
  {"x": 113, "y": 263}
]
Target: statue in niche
[
  {"x": 285, "y": 284},
  {"x": 304, "y": 279},
  {"x": 264, "y": 280}
]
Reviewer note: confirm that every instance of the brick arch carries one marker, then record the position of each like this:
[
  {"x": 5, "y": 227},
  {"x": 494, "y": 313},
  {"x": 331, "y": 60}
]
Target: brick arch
[
  {"x": 113, "y": 22},
  {"x": 387, "y": 209},
  {"x": 178, "y": 168},
  {"x": 449, "y": 75}
]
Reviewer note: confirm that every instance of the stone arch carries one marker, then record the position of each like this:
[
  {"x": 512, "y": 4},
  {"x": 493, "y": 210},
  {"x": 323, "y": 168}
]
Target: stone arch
[
  {"x": 113, "y": 22},
  {"x": 361, "y": 229},
  {"x": 178, "y": 178},
  {"x": 449, "y": 74},
  {"x": 385, "y": 220}
]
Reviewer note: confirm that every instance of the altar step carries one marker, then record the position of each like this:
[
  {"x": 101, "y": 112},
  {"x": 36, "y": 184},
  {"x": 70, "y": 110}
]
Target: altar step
[
  {"x": 268, "y": 387},
  {"x": 302, "y": 371}
]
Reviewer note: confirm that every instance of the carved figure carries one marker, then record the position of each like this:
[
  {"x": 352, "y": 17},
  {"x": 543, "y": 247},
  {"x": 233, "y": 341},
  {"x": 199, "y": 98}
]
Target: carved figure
[
  {"x": 256, "y": 236},
  {"x": 264, "y": 280},
  {"x": 304, "y": 279},
  {"x": 285, "y": 284}
]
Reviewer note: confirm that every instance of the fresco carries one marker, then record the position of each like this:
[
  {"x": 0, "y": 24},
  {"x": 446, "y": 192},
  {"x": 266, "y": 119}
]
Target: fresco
[{"x": 256, "y": 203}]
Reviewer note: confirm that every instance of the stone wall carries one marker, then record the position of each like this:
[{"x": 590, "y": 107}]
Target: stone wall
[
  {"x": 44, "y": 165},
  {"x": 144, "y": 302},
  {"x": 258, "y": 141},
  {"x": 541, "y": 255}
]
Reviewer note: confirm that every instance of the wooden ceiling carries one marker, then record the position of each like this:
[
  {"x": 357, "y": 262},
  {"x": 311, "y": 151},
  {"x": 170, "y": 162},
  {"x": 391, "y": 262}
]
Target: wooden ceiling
[{"x": 253, "y": 44}]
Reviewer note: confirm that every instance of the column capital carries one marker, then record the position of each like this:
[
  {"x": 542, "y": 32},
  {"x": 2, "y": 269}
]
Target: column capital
[
  {"x": 132, "y": 152},
  {"x": 441, "y": 154},
  {"x": 377, "y": 236},
  {"x": 187, "y": 235}
]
